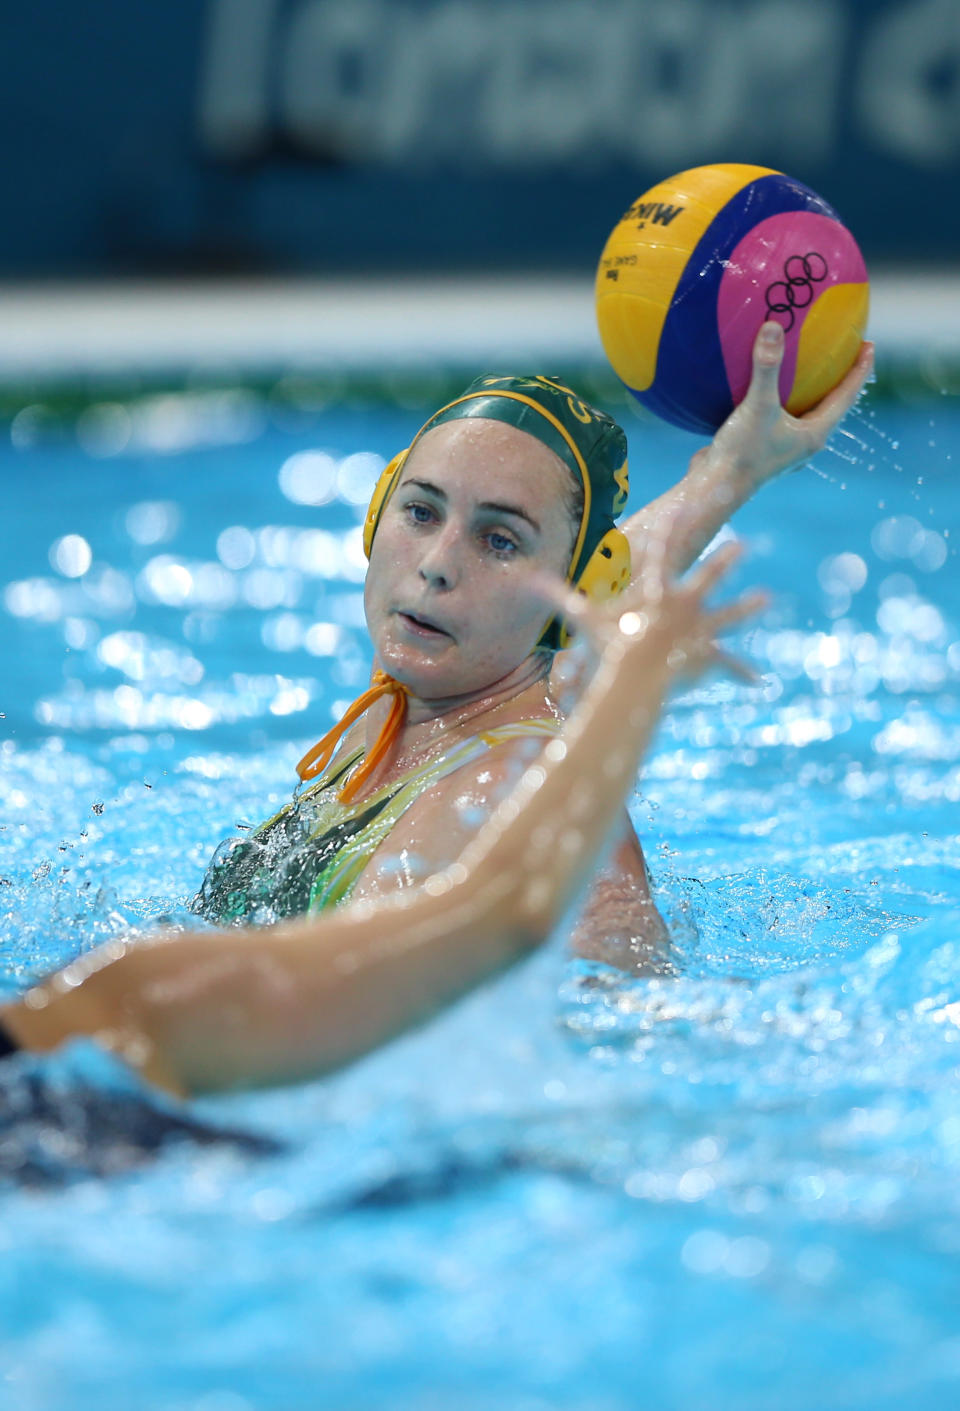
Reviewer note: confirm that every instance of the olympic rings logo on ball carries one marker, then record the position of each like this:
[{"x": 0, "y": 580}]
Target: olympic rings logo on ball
[{"x": 796, "y": 290}]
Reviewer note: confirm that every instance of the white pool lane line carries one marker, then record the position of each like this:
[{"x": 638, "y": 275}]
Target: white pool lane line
[{"x": 53, "y": 331}]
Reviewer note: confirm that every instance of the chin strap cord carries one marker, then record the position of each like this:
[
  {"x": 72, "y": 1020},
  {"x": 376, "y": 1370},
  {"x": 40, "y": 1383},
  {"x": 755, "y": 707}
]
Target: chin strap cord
[{"x": 316, "y": 759}]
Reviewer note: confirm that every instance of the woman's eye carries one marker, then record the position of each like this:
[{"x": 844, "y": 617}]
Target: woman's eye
[
  {"x": 501, "y": 544},
  {"x": 420, "y": 514}
]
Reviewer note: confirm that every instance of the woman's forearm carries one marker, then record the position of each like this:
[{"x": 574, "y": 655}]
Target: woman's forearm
[
  {"x": 249, "y": 1007},
  {"x": 568, "y": 801},
  {"x": 684, "y": 520}
]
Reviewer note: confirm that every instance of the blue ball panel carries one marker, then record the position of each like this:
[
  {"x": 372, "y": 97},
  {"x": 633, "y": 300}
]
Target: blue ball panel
[{"x": 690, "y": 388}]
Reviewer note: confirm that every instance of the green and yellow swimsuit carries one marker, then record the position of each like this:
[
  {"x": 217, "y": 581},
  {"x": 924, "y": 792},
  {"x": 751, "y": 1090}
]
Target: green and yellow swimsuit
[{"x": 310, "y": 855}]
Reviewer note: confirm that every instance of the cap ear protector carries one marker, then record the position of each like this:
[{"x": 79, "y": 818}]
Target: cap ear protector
[
  {"x": 382, "y": 491},
  {"x": 605, "y": 574}
]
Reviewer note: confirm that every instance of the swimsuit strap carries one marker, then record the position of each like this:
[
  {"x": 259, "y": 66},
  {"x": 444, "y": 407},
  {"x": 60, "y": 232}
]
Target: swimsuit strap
[{"x": 465, "y": 752}]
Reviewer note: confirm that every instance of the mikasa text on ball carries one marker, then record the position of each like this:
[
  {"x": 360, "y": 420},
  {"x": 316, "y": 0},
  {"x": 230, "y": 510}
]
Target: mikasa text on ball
[{"x": 694, "y": 268}]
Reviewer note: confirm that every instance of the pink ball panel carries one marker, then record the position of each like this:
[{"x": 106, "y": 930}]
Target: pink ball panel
[{"x": 777, "y": 271}]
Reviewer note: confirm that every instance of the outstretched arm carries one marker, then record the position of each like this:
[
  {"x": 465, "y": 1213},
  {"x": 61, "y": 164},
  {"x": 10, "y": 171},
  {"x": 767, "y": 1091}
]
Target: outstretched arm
[
  {"x": 246, "y": 1007},
  {"x": 619, "y": 923},
  {"x": 756, "y": 442}
]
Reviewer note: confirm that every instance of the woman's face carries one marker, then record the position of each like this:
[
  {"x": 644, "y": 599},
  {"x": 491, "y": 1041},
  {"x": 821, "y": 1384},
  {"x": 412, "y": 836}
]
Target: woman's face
[{"x": 478, "y": 507}]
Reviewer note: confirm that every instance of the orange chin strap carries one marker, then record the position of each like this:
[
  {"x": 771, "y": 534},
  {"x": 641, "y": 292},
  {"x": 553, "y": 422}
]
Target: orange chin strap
[{"x": 317, "y": 759}]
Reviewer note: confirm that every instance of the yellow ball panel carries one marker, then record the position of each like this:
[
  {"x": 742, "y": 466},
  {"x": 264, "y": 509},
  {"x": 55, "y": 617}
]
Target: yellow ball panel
[
  {"x": 630, "y": 329},
  {"x": 645, "y": 256},
  {"x": 714, "y": 185},
  {"x": 829, "y": 343}
]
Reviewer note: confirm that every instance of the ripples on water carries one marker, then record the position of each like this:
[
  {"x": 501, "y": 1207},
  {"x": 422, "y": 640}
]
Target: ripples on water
[{"x": 573, "y": 1185}]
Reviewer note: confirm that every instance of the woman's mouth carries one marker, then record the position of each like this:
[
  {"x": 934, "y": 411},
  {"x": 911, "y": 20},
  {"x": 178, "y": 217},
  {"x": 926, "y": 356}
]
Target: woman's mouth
[{"x": 422, "y": 626}]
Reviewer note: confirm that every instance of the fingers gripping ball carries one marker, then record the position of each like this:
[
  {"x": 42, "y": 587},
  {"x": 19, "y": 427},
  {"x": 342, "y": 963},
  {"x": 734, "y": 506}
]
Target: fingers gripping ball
[{"x": 694, "y": 268}]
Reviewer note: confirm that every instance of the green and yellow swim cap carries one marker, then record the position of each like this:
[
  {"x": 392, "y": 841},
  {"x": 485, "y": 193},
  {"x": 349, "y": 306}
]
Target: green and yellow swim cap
[{"x": 588, "y": 441}]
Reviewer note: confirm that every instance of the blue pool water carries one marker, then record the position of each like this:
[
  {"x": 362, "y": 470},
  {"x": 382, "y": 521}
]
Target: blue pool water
[{"x": 738, "y": 1189}]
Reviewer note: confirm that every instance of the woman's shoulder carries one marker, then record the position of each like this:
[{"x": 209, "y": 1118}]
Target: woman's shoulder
[
  {"x": 532, "y": 713},
  {"x": 453, "y": 804}
]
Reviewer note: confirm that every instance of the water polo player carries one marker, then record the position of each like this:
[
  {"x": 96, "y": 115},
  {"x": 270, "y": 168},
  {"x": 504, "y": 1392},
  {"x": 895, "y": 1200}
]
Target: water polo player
[
  {"x": 515, "y": 477},
  {"x": 517, "y": 474}
]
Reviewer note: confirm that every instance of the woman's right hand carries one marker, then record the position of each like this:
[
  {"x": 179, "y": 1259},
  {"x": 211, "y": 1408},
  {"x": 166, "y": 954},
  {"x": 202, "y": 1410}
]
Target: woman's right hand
[
  {"x": 682, "y": 611},
  {"x": 675, "y": 612}
]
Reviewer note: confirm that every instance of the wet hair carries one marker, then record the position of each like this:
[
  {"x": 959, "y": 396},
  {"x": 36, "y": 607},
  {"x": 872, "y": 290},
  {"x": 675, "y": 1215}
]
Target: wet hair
[{"x": 573, "y": 503}]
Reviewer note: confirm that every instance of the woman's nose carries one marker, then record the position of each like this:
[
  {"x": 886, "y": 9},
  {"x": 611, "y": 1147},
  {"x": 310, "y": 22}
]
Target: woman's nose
[{"x": 439, "y": 561}]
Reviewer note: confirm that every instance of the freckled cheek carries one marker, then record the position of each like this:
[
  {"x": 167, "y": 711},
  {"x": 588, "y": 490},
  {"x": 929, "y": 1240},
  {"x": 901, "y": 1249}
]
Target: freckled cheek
[
  {"x": 384, "y": 570},
  {"x": 375, "y": 597},
  {"x": 509, "y": 634},
  {"x": 514, "y": 607},
  {"x": 370, "y": 595}
]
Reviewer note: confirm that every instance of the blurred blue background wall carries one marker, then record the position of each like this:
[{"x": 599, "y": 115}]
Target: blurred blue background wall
[{"x": 296, "y": 136}]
